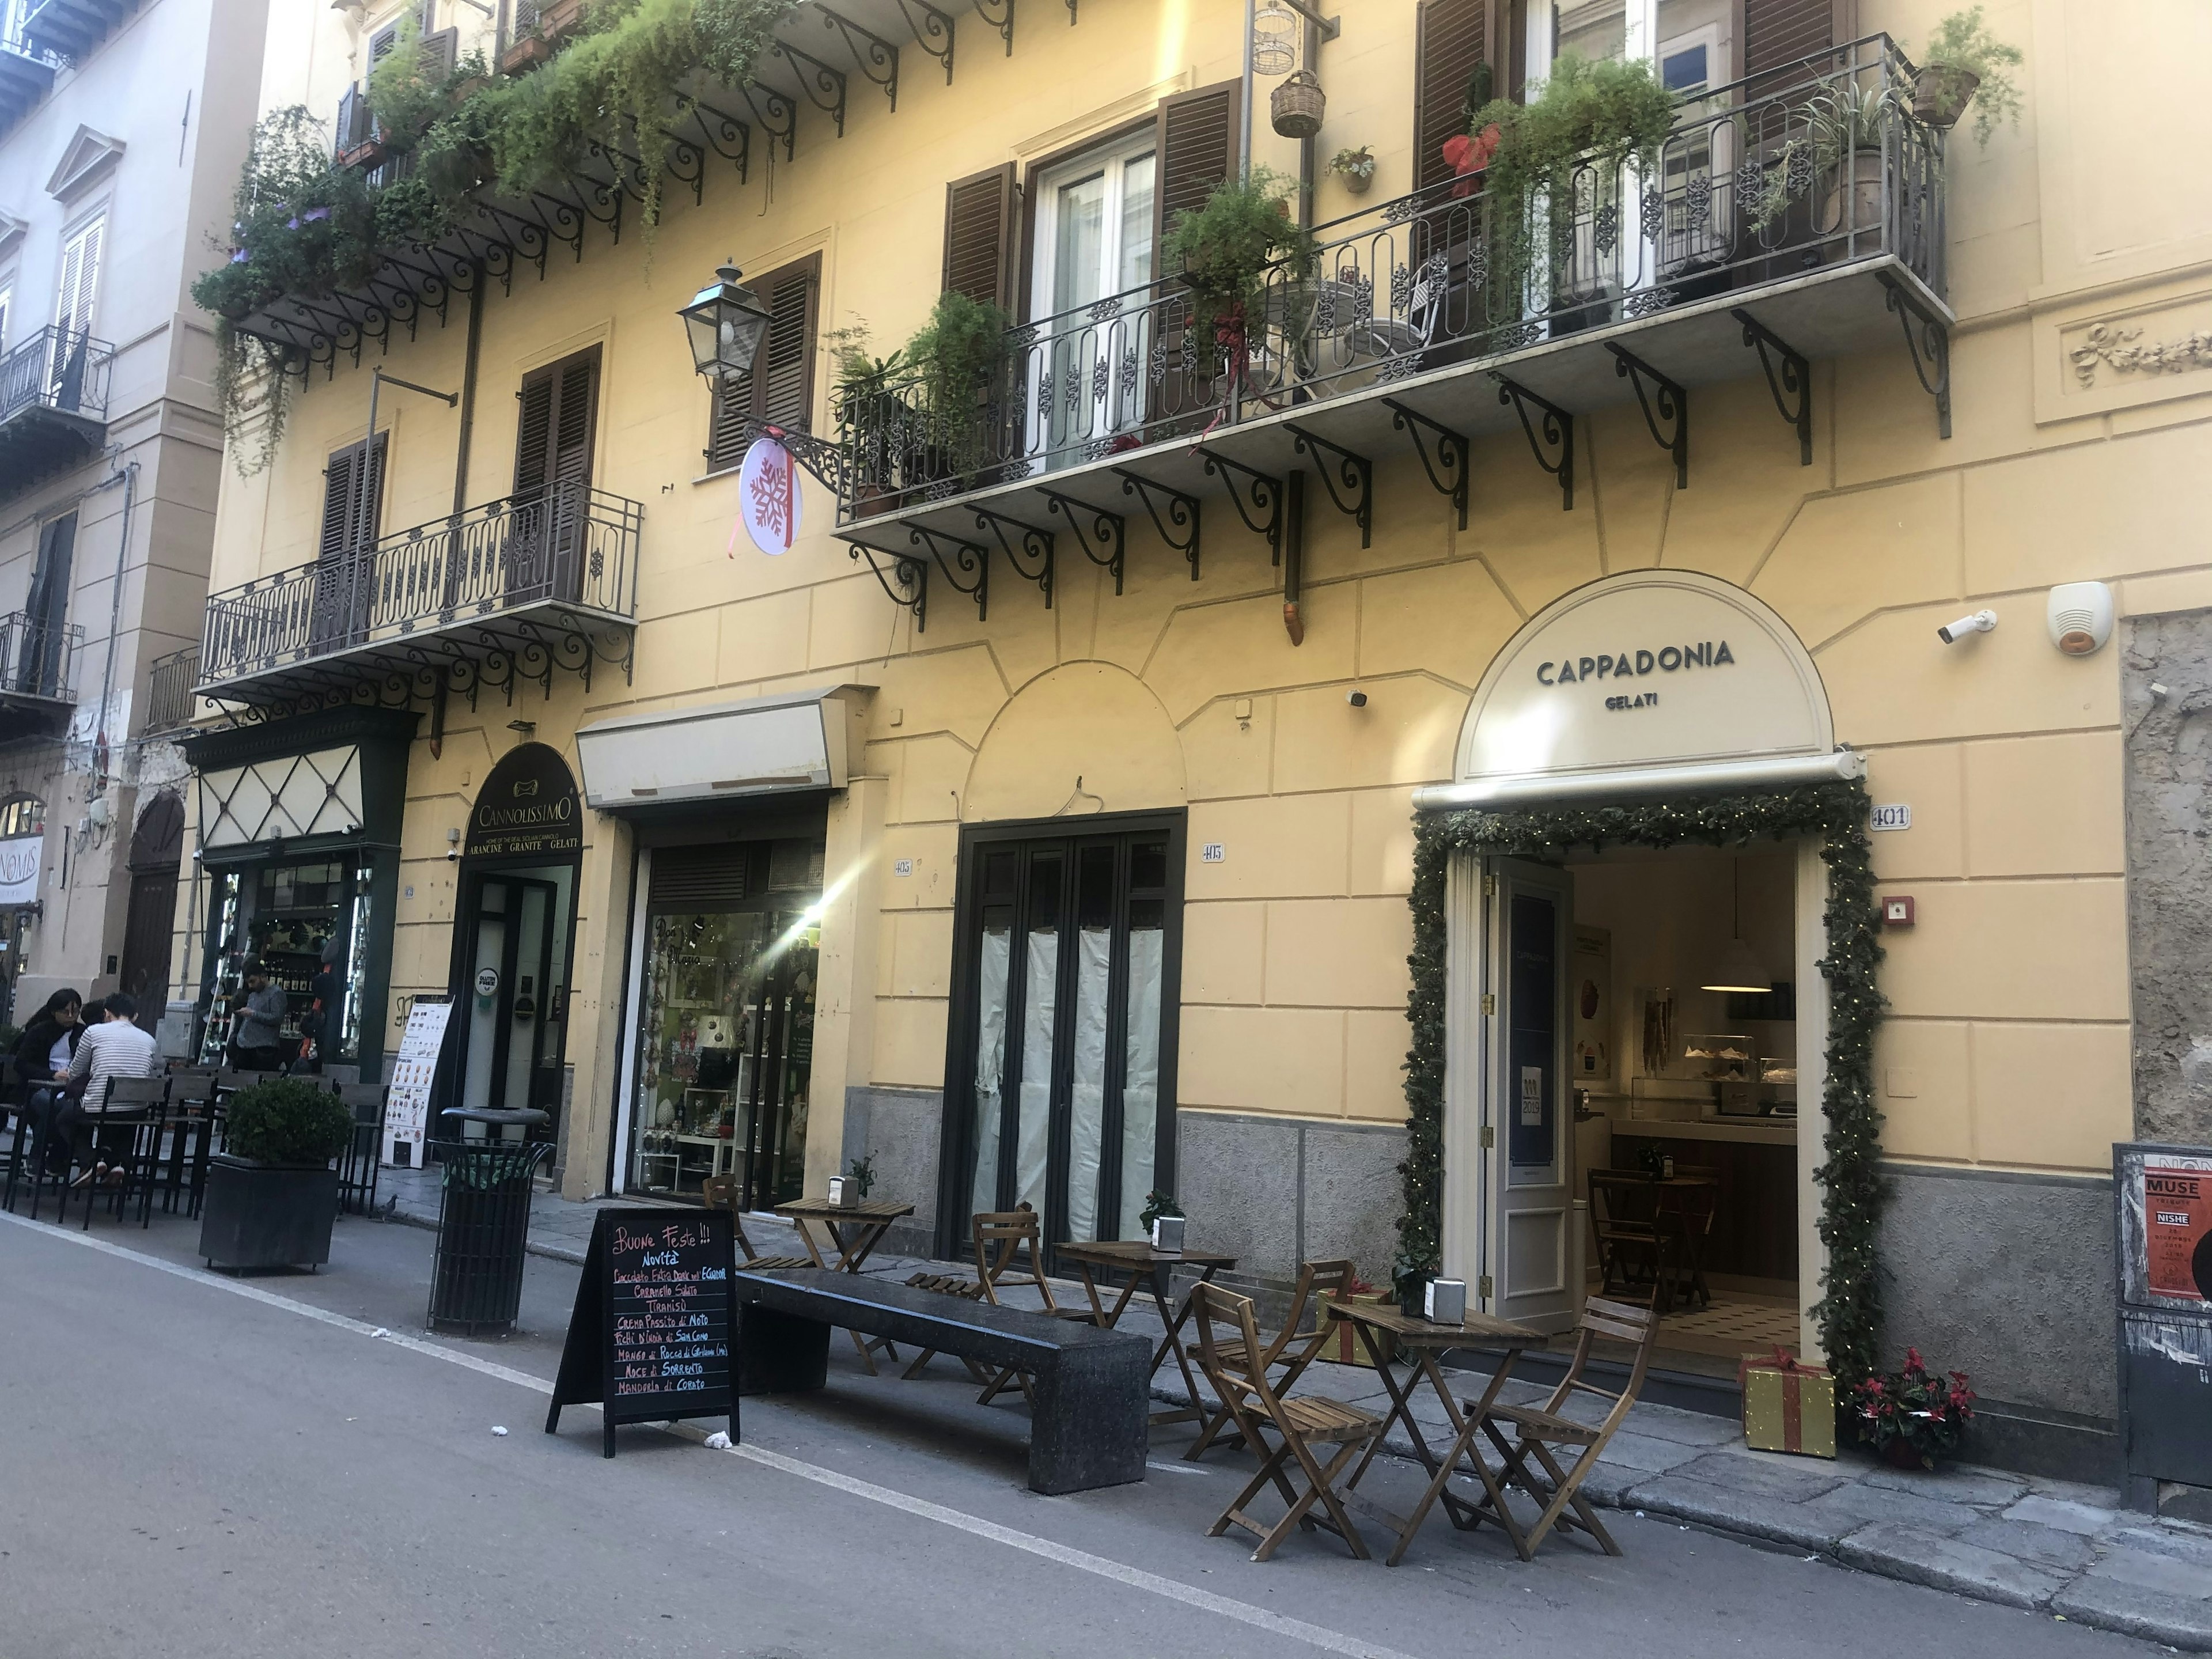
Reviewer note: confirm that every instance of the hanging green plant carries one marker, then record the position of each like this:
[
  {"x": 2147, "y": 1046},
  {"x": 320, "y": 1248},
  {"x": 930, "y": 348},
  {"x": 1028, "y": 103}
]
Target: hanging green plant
[
  {"x": 1598, "y": 113},
  {"x": 1853, "y": 1191},
  {"x": 254, "y": 393},
  {"x": 1227, "y": 250},
  {"x": 408, "y": 90}
]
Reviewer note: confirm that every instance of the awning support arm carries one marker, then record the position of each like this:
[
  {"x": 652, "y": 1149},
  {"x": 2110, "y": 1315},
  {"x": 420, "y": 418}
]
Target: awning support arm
[
  {"x": 1666, "y": 409},
  {"x": 1343, "y": 474},
  {"x": 1444, "y": 456},
  {"x": 1555, "y": 435},
  {"x": 1789, "y": 377}
]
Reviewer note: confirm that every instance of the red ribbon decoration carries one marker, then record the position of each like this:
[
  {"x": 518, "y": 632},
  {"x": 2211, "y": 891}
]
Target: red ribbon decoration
[{"x": 1793, "y": 1372}]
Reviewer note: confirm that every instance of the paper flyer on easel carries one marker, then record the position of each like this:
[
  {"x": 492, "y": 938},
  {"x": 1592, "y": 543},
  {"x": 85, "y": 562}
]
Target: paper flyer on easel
[{"x": 407, "y": 1106}]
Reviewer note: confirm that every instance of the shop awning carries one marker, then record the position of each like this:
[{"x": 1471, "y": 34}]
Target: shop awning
[
  {"x": 761, "y": 745},
  {"x": 1627, "y": 782}
]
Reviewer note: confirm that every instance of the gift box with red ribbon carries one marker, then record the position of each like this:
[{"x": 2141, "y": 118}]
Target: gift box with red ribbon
[
  {"x": 1345, "y": 1344},
  {"x": 1788, "y": 1405}
]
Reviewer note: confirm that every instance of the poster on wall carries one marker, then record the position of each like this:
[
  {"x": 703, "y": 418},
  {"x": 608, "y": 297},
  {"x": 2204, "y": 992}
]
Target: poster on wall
[
  {"x": 407, "y": 1105},
  {"x": 2178, "y": 1226},
  {"x": 19, "y": 857}
]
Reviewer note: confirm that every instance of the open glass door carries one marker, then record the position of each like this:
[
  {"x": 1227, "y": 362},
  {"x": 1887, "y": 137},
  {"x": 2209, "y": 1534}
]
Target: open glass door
[{"x": 1527, "y": 1178}]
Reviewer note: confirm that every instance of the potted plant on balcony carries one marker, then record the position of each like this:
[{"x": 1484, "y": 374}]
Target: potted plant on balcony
[
  {"x": 1231, "y": 252},
  {"x": 1355, "y": 168},
  {"x": 1963, "y": 61},
  {"x": 873, "y": 416},
  {"x": 960, "y": 355},
  {"x": 538, "y": 30},
  {"x": 1588, "y": 115},
  {"x": 271, "y": 1193}
]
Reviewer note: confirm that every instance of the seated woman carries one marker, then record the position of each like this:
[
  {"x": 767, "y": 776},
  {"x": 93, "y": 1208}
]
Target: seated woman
[{"x": 43, "y": 1055}]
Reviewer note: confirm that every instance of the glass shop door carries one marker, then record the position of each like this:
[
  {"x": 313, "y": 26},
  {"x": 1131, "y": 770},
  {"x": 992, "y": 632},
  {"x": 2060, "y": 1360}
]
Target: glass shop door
[
  {"x": 513, "y": 1003},
  {"x": 1066, "y": 976}
]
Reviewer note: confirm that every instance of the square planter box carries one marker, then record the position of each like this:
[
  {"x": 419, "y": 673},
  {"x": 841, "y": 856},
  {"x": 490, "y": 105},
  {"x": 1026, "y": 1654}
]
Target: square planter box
[{"x": 267, "y": 1215}]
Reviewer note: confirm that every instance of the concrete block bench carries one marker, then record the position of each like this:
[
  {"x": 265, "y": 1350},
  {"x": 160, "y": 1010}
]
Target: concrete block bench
[{"x": 1090, "y": 1389}]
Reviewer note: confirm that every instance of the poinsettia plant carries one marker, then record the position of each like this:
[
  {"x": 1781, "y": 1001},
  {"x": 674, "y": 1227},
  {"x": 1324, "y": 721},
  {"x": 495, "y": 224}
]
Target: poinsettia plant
[{"x": 1923, "y": 1411}]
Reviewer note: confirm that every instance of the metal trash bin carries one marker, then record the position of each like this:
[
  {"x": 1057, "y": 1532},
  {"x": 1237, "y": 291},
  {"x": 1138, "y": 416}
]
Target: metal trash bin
[{"x": 484, "y": 1223}]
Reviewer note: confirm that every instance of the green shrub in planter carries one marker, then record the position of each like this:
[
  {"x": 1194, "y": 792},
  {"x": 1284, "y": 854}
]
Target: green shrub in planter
[{"x": 288, "y": 1120}]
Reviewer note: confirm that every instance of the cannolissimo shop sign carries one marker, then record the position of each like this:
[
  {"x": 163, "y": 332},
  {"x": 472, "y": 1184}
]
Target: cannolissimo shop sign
[{"x": 1649, "y": 668}]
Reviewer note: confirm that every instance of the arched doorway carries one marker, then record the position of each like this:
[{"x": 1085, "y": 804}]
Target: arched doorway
[
  {"x": 157, "y": 847},
  {"x": 514, "y": 939},
  {"x": 1625, "y": 1041}
]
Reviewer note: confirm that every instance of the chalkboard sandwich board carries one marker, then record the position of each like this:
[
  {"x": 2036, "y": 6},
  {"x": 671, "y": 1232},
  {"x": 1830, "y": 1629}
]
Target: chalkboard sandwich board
[{"x": 655, "y": 1321}]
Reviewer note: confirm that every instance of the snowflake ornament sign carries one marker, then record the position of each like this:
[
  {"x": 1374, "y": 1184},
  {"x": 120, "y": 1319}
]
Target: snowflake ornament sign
[{"x": 767, "y": 496}]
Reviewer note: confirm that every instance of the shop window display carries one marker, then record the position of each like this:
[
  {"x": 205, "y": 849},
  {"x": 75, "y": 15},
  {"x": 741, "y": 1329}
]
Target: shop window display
[
  {"x": 726, "y": 1043},
  {"x": 297, "y": 920}
]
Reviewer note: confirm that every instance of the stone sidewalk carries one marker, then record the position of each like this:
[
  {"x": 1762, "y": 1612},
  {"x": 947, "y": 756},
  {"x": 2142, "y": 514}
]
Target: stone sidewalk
[{"x": 2068, "y": 1551}]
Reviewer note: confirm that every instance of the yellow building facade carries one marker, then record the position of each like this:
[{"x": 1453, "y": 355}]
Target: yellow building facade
[{"x": 1077, "y": 887}]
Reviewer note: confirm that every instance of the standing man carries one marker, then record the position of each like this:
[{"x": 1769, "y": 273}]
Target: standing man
[
  {"x": 257, "y": 1043},
  {"x": 115, "y": 1047}
]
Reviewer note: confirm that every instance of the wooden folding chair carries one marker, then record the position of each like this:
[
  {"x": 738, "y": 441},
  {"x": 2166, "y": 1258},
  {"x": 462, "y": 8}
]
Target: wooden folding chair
[
  {"x": 1635, "y": 1248},
  {"x": 1299, "y": 1425},
  {"x": 1539, "y": 1428},
  {"x": 1000, "y": 1237},
  {"x": 722, "y": 1192},
  {"x": 1290, "y": 1348}
]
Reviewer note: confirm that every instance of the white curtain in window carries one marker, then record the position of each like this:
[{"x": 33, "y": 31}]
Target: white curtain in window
[
  {"x": 1033, "y": 1140},
  {"x": 990, "y": 1062},
  {"x": 1140, "y": 1088},
  {"x": 1087, "y": 1094}
]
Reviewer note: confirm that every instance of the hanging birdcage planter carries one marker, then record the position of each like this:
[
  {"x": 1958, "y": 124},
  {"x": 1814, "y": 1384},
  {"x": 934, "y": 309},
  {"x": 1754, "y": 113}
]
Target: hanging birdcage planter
[
  {"x": 1296, "y": 106},
  {"x": 1274, "y": 33}
]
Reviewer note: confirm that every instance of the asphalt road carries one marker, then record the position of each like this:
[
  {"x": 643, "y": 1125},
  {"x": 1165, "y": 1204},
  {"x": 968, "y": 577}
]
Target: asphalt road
[{"x": 191, "y": 1470}]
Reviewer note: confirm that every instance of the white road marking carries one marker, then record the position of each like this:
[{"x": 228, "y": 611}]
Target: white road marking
[{"x": 1317, "y": 1635}]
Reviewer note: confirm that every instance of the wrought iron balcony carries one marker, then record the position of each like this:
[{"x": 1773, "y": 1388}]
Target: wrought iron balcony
[
  {"x": 170, "y": 699},
  {"x": 38, "y": 668},
  {"x": 1789, "y": 217},
  {"x": 511, "y": 590},
  {"x": 53, "y": 404},
  {"x": 71, "y": 28}
]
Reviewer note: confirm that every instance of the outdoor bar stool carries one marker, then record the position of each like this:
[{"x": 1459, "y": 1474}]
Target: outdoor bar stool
[{"x": 359, "y": 1171}]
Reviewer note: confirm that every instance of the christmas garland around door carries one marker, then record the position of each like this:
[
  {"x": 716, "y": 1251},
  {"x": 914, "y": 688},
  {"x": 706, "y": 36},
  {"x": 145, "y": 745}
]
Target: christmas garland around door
[{"x": 1853, "y": 1191}]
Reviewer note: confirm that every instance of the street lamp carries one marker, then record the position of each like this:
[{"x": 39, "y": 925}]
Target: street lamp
[{"x": 726, "y": 323}]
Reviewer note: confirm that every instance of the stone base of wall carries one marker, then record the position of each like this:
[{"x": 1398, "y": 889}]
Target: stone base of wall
[
  {"x": 901, "y": 1129},
  {"x": 1275, "y": 1191},
  {"x": 2009, "y": 1278}
]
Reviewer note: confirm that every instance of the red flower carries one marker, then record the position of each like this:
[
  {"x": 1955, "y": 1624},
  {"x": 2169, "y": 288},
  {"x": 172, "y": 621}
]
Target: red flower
[
  {"x": 1913, "y": 1361},
  {"x": 1469, "y": 155}
]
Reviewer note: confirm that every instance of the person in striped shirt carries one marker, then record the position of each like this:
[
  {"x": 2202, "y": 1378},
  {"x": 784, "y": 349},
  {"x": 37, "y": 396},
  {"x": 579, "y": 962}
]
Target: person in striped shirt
[{"x": 115, "y": 1047}]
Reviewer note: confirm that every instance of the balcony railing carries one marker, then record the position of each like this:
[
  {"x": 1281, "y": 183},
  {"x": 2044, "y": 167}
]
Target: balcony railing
[
  {"x": 57, "y": 369},
  {"x": 38, "y": 658},
  {"x": 1760, "y": 184},
  {"x": 476, "y": 577},
  {"x": 170, "y": 702}
]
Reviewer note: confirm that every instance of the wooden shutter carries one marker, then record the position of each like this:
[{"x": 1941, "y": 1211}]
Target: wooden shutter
[
  {"x": 48, "y": 604},
  {"x": 80, "y": 278},
  {"x": 346, "y": 513},
  {"x": 979, "y": 237},
  {"x": 559, "y": 412},
  {"x": 1451, "y": 42},
  {"x": 779, "y": 388},
  {"x": 440, "y": 51},
  {"x": 1777, "y": 33},
  {"x": 1198, "y": 151}
]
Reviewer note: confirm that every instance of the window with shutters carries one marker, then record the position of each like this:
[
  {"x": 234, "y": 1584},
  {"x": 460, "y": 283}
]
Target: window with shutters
[
  {"x": 46, "y": 611},
  {"x": 779, "y": 389},
  {"x": 79, "y": 276},
  {"x": 1091, "y": 237},
  {"x": 352, "y": 500},
  {"x": 980, "y": 235},
  {"x": 1195, "y": 138},
  {"x": 554, "y": 435},
  {"x": 1451, "y": 48}
]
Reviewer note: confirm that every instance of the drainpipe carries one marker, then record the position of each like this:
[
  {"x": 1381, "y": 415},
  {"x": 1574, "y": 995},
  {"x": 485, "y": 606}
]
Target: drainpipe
[
  {"x": 128, "y": 477},
  {"x": 1244, "y": 138}
]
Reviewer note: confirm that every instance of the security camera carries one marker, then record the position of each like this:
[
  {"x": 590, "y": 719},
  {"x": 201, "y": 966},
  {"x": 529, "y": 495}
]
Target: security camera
[
  {"x": 1980, "y": 623},
  {"x": 1357, "y": 699},
  {"x": 453, "y": 855}
]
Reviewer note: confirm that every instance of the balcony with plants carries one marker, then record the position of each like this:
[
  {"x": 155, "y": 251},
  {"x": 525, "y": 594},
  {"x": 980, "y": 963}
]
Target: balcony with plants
[
  {"x": 1603, "y": 244},
  {"x": 53, "y": 404}
]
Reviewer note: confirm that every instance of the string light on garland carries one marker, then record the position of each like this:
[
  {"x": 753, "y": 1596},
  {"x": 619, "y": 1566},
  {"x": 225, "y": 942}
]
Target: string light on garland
[{"x": 1854, "y": 1191}]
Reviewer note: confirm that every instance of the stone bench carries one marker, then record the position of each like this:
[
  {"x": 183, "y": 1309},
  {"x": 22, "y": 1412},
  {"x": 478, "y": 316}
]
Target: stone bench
[{"x": 1090, "y": 1388}]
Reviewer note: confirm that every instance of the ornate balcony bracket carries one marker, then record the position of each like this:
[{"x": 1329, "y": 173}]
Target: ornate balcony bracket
[
  {"x": 877, "y": 58},
  {"x": 1178, "y": 526},
  {"x": 1930, "y": 342},
  {"x": 1551, "y": 439},
  {"x": 1789, "y": 377},
  {"x": 824, "y": 86},
  {"x": 970, "y": 558},
  {"x": 1028, "y": 549},
  {"x": 1257, "y": 498},
  {"x": 999, "y": 15},
  {"x": 907, "y": 584},
  {"x": 1666, "y": 409},
  {"x": 932, "y": 31},
  {"x": 1443, "y": 453},
  {"x": 1349, "y": 478},
  {"x": 822, "y": 458},
  {"x": 1107, "y": 529},
  {"x": 722, "y": 132},
  {"x": 779, "y": 119}
]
